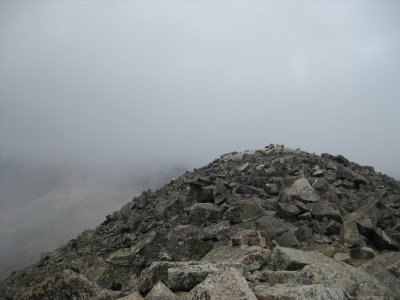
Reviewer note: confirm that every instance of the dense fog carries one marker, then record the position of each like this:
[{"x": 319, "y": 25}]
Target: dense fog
[{"x": 102, "y": 99}]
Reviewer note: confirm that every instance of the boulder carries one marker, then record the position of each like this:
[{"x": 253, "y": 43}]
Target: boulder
[
  {"x": 288, "y": 210},
  {"x": 225, "y": 284},
  {"x": 160, "y": 292},
  {"x": 349, "y": 174},
  {"x": 272, "y": 226},
  {"x": 349, "y": 234},
  {"x": 323, "y": 208},
  {"x": 132, "y": 296},
  {"x": 249, "y": 258},
  {"x": 292, "y": 259},
  {"x": 215, "y": 231},
  {"x": 298, "y": 292},
  {"x": 336, "y": 274},
  {"x": 200, "y": 213},
  {"x": 66, "y": 285},
  {"x": 250, "y": 238},
  {"x": 302, "y": 190},
  {"x": 245, "y": 210},
  {"x": 177, "y": 276},
  {"x": 386, "y": 267}
]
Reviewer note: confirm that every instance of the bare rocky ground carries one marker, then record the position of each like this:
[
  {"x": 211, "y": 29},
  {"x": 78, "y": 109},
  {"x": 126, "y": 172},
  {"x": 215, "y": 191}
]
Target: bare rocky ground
[{"x": 274, "y": 223}]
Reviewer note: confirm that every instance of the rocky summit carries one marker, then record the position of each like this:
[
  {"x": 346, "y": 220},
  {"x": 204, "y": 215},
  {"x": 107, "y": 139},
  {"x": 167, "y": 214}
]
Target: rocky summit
[{"x": 274, "y": 223}]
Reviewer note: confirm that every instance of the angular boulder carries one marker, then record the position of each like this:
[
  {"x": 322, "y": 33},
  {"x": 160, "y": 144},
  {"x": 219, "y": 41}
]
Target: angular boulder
[{"x": 222, "y": 285}]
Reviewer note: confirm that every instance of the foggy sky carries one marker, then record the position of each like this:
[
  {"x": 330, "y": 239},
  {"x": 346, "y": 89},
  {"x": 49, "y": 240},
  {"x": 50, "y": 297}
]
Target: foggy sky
[
  {"x": 148, "y": 82},
  {"x": 102, "y": 99}
]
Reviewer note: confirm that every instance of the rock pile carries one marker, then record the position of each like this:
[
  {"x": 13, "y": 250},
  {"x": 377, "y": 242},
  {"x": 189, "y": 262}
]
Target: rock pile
[{"x": 273, "y": 223}]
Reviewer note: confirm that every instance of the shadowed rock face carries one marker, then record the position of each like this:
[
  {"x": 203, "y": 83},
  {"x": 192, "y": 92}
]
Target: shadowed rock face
[{"x": 273, "y": 223}]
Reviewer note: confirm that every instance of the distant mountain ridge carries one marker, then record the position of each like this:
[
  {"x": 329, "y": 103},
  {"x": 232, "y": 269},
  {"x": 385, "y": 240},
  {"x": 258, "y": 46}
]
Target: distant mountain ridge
[{"x": 273, "y": 223}]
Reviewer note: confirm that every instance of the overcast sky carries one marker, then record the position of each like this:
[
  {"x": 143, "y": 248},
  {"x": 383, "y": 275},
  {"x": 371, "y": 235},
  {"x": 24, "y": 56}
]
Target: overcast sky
[{"x": 149, "y": 82}]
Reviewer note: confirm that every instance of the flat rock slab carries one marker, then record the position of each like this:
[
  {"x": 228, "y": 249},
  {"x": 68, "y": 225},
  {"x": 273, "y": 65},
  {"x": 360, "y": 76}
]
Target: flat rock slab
[
  {"x": 336, "y": 274},
  {"x": 386, "y": 267},
  {"x": 298, "y": 292},
  {"x": 249, "y": 258},
  {"x": 177, "y": 276},
  {"x": 292, "y": 259},
  {"x": 223, "y": 285}
]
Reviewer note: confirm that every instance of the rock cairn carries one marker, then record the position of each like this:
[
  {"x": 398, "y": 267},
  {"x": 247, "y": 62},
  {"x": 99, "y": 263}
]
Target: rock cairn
[{"x": 273, "y": 223}]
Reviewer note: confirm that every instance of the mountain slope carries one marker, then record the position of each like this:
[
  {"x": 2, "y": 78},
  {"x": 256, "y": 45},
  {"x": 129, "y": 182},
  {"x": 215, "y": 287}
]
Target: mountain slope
[{"x": 273, "y": 223}]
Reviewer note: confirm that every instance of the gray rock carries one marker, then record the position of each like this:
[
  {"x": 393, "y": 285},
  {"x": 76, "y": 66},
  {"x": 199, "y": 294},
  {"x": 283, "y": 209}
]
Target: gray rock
[
  {"x": 272, "y": 226},
  {"x": 249, "y": 258},
  {"x": 288, "y": 210},
  {"x": 177, "y": 276},
  {"x": 302, "y": 190},
  {"x": 121, "y": 257},
  {"x": 333, "y": 227},
  {"x": 132, "y": 296},
  {"x": 287, "y": 239},
  {"x": 363, "y": 253},
  {"x": 271, "y": 188},
  {"x": 298, "y": 292},
  {"x": 200, "y": 213},
  {"x": 349, "y": 174},
  {"x": 160, "y": 292},
  {"x": 220, "y": 193},
  {"x": 216, "y": 231},
  {"x": 386, "y": 267},
  {"x": 291, "y": 259},
  {"x": 225, "y": 284},
  {"x": 326, "y": 209},
  {"x": 250, "y": 238},
  {"x": 66, "y": 285},
  {"x": 349, "y": 234},
  {"x": 245, "y": 210},
  {"x": 336, "y": 274}
]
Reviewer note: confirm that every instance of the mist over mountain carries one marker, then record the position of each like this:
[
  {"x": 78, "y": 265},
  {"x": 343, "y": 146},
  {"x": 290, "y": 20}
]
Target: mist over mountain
[
  {"x": 100, "y": 100},
  {"x": 44, "y": 205}
]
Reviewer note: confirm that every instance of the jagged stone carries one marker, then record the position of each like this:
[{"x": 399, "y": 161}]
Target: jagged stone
[
  {"x": 272, "y": 226},
  {"x": 302, "y": 190},
  {"x": 288, "y": 210},
  {"x": 65, "y": 285},
  {"x": 349, "y": 234},
  {"x": 287, "y": 239},
  {"x": 225, "y": 284},
  {"x": 200, "y": 213},
  {"x": 336, "y": 274},
  {"x": 177, "y": 276},
  {"x": 121, "y": 257},
  {"x": 292, "y": 259},
  {"x": 160, "y": 292},
  {"x": 386, "y": 267},
  {"x": 132, "y": 296},
  {"x": 326, "y": 209},
  {"x": 298, "y": 292},
  {"x": 276, "y": 277},
  {"x": 249, "y": 258},
  {"x": 245, "y": 210},
  {"x": 215, "y": 231},
  {"x": 347, "y": 173},
  {"x": 249, "y": 238}
]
